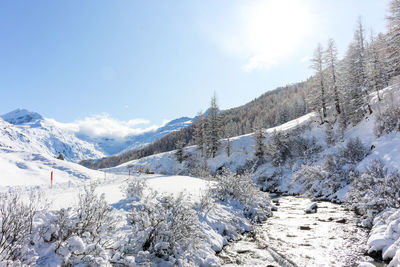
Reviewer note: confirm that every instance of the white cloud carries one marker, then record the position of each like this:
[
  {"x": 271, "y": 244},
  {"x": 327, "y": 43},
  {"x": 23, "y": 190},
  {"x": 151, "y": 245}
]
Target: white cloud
[
  {"x": 262, "y": 32},
  {"x": 103, "y": 125}
]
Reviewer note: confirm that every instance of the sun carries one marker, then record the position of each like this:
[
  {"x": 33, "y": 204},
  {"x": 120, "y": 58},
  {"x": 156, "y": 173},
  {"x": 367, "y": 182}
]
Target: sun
[{"x": 273, "y": 29}]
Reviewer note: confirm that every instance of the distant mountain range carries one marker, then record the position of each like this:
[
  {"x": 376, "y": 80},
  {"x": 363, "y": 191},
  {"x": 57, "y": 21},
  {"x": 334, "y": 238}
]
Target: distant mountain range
[
  {"x": 111, "y": 146},
  {"x": 29, "y": 131}
]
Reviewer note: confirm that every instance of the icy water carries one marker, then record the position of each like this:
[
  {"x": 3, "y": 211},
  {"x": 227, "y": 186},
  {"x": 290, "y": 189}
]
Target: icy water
[{"x": 293, "y": 238}]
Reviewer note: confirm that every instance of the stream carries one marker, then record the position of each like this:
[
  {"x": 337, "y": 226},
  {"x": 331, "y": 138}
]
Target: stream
[{"x": 291, "y": 237}]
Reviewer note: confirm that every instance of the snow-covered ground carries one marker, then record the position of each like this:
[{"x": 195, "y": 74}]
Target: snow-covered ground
[
  {"x": 64, "y": 195},
  {"x": 21, "y": 168}
]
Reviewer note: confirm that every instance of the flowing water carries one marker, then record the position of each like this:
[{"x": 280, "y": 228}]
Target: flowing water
[{"x": 291, "y": 237}]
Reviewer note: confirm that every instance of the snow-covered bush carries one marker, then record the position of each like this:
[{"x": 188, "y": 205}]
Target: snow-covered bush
[
  {"x": 278, "y": 149},
  {"x": 388, "y": 121},
  {"x": 164, "y": 228},
  {"x": 206, "y": 202},
  {"x": 200, "y": 172},
  {"x": 134, "y": 189},
  {"x": 330, "y": 134},
  {"x": 16, "y": 227},
  {"x": 310, "y": 178},
  {"x": 270, "y": 181},
  {"x": 353, "y": 152},
  {"x": 321, "y": 180},
  {"x": 284, "y": 146},
  {"x": 240, "y": 188},
  {"x": 82, "y": 235},
  {"x": 375, "y": 189}
]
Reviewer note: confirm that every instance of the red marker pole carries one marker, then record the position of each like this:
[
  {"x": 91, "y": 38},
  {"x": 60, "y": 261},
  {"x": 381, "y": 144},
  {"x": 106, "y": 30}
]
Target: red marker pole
[{"x": 51, "y": 179}]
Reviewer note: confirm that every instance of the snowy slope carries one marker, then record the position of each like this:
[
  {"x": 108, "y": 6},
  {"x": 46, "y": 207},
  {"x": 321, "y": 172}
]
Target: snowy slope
[
  {"x": 28, "y": 131},
  {"x": 20, "y": 168}
]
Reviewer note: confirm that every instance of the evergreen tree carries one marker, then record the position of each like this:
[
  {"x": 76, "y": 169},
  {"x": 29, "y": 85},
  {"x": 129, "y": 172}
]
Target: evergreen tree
[
  {"x": 357, "y": 101},
  {"x": 259, "y": 152},
  {"x": 228, "y": 147},
  {"x": 229, "y": 131},
  {"x": 198, "y": 133},
  {"x": 376, "y": 70},
  {"x": 361, "y": 60},
  {"x": 212, "y": 129},
  {"x": 330, "y": 134},
  {"x": 331, "y": 61},
  {"x": 317, "y": 65},
  {"x": 393, "y": 38},
  {"x": 179, "y": 153},
  {"x": 277, "y": 148}
]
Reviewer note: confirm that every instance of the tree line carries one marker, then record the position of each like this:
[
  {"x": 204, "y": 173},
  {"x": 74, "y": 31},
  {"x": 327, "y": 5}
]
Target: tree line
[{"x": 340, "y": 89}]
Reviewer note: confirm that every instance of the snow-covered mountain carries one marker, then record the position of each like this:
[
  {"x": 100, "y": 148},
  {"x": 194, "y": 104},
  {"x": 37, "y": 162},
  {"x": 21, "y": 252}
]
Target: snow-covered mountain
[
  {"x": 111, "y": 146},
  {"x": 23, "y": 130}
]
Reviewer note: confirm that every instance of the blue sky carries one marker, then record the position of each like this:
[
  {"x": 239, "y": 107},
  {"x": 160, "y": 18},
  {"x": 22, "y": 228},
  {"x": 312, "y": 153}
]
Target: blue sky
[{"x": 151, "y": 61}]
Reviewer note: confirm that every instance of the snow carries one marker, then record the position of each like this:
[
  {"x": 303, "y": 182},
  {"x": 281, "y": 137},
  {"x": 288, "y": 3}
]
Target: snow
[
  {"x": 175, "y": 185},
  {"x": 385, "y": 234},
  {"x": 65, "y": 195},
  {"x": 20, "y": 168},
  {"x": 21, "y": 116}
]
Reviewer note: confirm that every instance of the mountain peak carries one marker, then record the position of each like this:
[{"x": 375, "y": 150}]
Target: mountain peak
[{"x": 21, "y": 116}]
